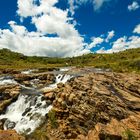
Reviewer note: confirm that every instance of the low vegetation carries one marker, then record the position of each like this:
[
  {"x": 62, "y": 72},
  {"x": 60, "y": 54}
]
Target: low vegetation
[
  {"x": 52, "y": 119},
  {"x": 38, "y": 134},
  {"x": 126, "y": 61},
  {"x": 129, "y": 135}
]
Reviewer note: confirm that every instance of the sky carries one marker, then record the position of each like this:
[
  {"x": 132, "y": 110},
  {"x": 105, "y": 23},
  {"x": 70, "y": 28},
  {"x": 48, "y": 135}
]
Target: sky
[{"x": 67, "y": 28}]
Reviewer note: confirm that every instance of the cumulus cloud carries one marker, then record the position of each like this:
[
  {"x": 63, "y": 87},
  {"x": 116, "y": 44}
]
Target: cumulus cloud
[
  {"x": 110, "y": 35},
  {"x": 28, "y": 8},
  {"x": 19, "y": 30},
  {"x": 119, "y": 45},
  {"x": 95, "y": 41},
  {"x": 97, "y": 4},
  {"x": 137, "y": 29},
  {"x": 101, "y": 51},
  {"x": 122, "y": 44},
  {"x": 75, "y": 4},
  {"x": 134, "y": 6},
  {"x": 39, "y": 45},
  {"x": 55, "y": 34},
  {"x": 48, "y": 20}
]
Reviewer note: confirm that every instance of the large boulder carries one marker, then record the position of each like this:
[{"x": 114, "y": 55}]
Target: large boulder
[{"x": 8, "y": 94}]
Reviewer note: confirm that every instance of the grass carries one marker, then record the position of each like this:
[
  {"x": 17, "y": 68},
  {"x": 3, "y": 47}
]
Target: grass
[
  {"x": 38, "y": 134},
  {"x": 129, "y": 135},
  {"x": 52, "y": 119},
  {"x": 126, "y": 61}
]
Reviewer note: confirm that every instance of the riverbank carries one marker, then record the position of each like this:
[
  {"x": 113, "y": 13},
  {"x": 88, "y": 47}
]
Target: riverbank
[{"x": 86, "y": 103}]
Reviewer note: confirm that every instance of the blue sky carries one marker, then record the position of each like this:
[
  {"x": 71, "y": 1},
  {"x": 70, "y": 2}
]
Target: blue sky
[{"x": 69, "y": 27}]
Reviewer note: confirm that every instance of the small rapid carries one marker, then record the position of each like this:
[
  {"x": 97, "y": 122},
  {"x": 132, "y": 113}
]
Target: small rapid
[
  {"x": 30, "y": 109},
  {"x": 26, "y": 114},
  {"x": 7, "y": 80},
  {"x": 60, "y": 78}
]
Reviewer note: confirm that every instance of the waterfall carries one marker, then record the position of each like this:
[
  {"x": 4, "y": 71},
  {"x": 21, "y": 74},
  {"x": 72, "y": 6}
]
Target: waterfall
[
  {"x": 26, "y": 114},
  {"x": 60, "y": 78},
  {"x": 29, "y": 111}
]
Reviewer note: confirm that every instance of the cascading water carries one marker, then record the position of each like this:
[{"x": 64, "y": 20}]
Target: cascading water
[
  {"x": 29, "y": 111},
  {"x": 7, "y": 80},
  {"x": 29, "y": 71},
  {"x": 26, "y": 114},
  {"x": 65, "y": 69},
  {"x": 60, "y": 78}
]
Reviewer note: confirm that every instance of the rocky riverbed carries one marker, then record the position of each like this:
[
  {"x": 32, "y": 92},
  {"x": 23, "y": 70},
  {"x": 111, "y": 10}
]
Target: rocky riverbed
[{"x": 87, "y": 104}]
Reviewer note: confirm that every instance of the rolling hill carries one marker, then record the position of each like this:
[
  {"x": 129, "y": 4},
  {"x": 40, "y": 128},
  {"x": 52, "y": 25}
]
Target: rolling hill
[{"x": 126, "y": 61}]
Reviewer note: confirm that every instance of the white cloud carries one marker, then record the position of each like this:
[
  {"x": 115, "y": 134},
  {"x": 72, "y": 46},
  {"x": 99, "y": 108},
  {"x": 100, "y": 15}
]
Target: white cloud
[
  {"x": 74, "y": 4},
  {"x": 28, "y": 8},
  {"x": 111, "y": 34},
  {"x": 134, "y": 42},
  {"x": 137, "y": 29},
  {"x": 100, "y": 51},
  {"x": 48, "y": 20},
  {"x": 72, "y": 7},
  {"x": 95, "y": 41},
  {"x": 35, "y": 44},
  {"x": 122, "y": 44},
  {"x": 19, "y": 30},
  {"x": 134, "y": 6},
  {"x": 99, "y": 3},
  {"x": 49, "y": 24}
]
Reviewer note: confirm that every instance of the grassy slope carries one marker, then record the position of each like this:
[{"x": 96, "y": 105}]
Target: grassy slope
[{"x": 126, "y": 61}]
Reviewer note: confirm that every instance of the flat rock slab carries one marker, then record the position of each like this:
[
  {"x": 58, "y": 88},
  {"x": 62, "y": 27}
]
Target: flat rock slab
[{"x": 10, "y": 135}]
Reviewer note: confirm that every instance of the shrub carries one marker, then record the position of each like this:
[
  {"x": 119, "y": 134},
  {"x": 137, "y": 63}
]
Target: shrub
[
  {"x": 129, "y": 135},
  {"x": 52, "y": 119}
]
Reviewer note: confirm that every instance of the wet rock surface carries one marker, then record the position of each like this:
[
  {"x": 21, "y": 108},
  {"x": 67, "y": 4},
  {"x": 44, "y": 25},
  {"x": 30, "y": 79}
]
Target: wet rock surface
[
  {"x": 8, "y": 94},
  {"x": 35, "y": 80}
]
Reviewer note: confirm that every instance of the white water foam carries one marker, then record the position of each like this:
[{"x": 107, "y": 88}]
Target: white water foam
[
  {"x": 27, "y": 113},
  {"x": 60, "y": 78},
  {"x": 34, "y": 83},
  {"x": 7, "y": 81},
  {"x": 65, "y": 69},
  {"x": 29, "y": 71}
]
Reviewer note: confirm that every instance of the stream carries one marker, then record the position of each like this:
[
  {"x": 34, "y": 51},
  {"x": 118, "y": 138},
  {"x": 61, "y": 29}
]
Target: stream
[{"x": 29, "y": 110}]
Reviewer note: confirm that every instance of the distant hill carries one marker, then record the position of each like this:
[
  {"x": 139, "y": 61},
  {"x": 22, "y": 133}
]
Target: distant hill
[{"x": 126, "y": 61}]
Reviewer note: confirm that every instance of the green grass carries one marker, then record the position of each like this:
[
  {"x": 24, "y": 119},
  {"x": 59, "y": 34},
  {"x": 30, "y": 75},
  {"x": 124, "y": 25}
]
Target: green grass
[
  {"x": 129, "y": 135},
  {"x": 52, "y": 119},
  {"x": 39, "y": 134},
  {"x": 126, "y": 61}
]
